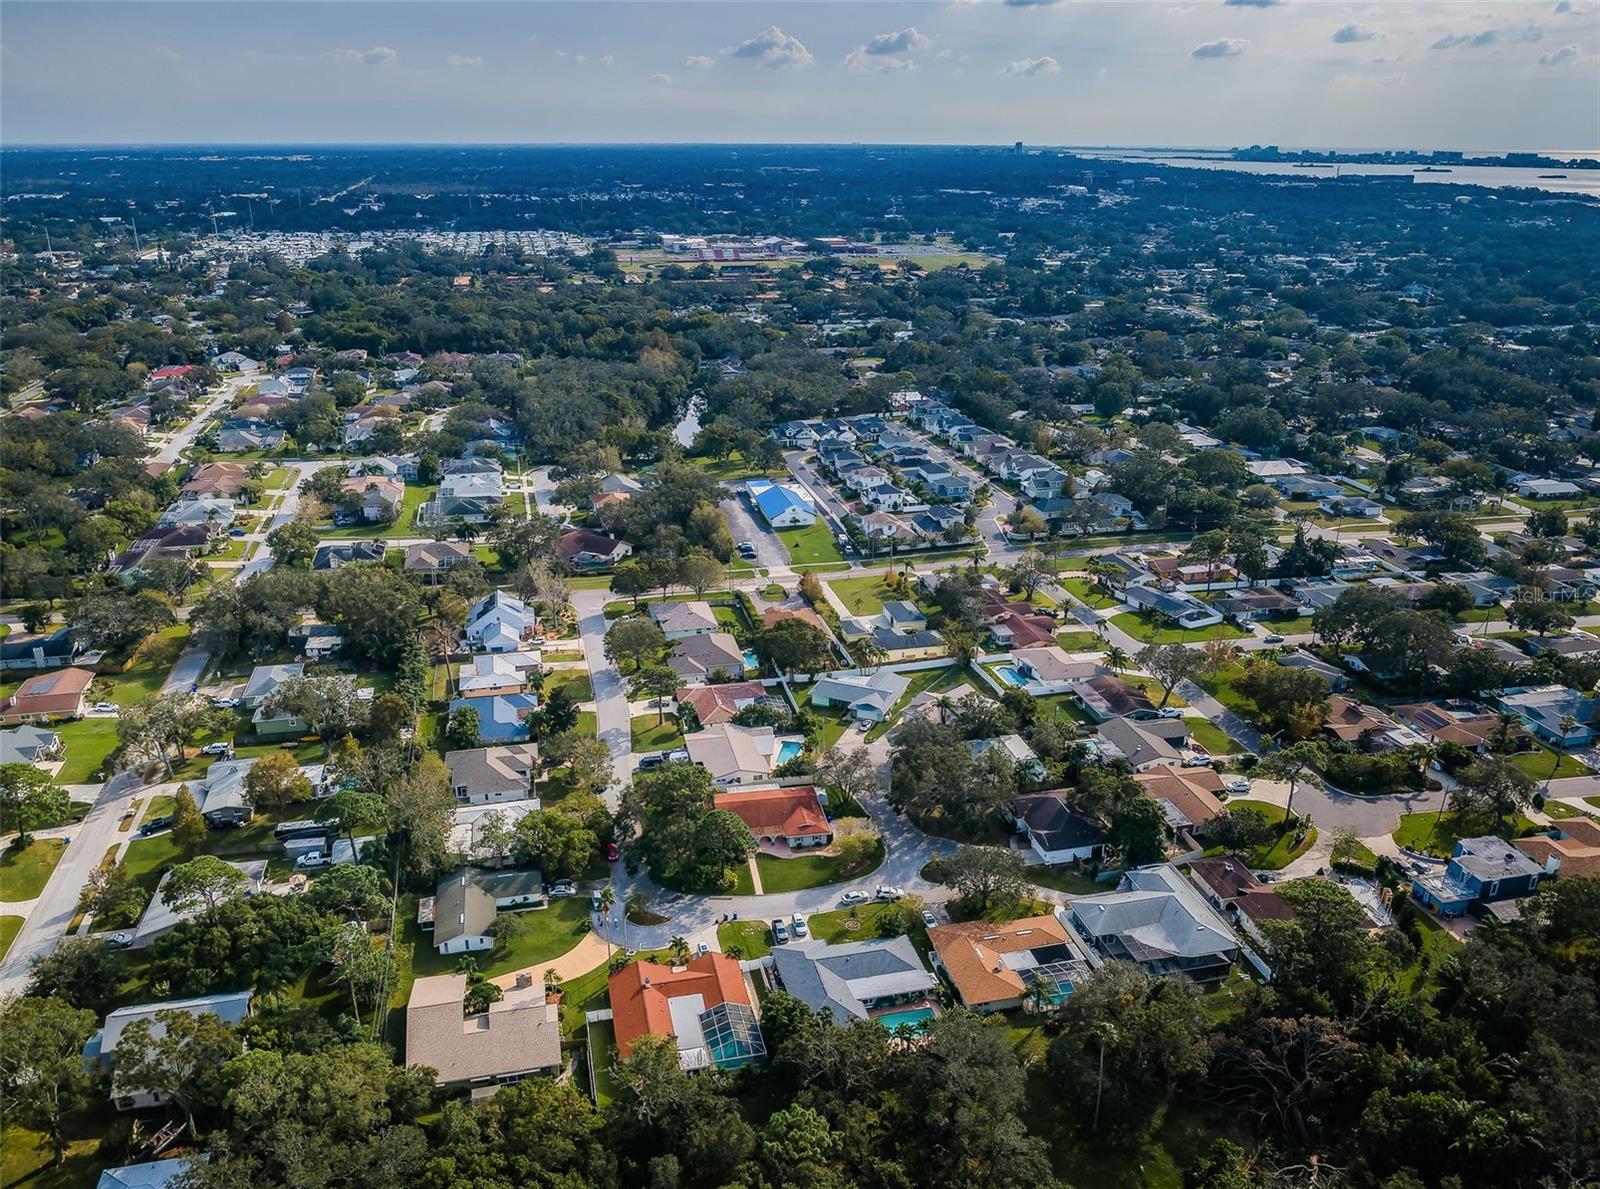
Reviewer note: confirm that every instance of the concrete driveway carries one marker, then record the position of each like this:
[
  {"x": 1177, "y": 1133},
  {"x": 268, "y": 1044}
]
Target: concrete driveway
[{"x": 747, "y": 525}]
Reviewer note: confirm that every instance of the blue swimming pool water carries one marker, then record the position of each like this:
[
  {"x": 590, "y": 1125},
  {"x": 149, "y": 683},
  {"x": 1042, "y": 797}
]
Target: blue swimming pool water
[
  {"x": 917, "y": 1017},
  {"x": 788, "y": 750},
  {"x": 751, "y": 660},
  {"x": 1009, "y": 675}
]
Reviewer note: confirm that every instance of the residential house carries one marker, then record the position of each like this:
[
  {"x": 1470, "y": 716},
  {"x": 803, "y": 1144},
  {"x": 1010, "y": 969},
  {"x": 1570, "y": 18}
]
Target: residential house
[
  {"x": 1461, "y": 722},
  {"x": 1106, "y": 696},
  {"x": 783, "y": 505},
  {"x": 679, "y": 620},
  {"x": 1158, "y": 920},
  {"x": 47, "y": 697},
  {"x": 152, "y": 1174},
  {"x": 1481, "y": 871},
  {"x": 235, "y": 361},
  {"x": 316, "y": 641},
  {"x": 1570, "y": 848},
  {"x": 1054, "y": 832},
  {"x": 994, "y": 966},
  {"x": 216, "y": 515},
  {"x": 737, "y": 755},
  {"x": 1144, "y": 743},
  {"x": 1234, "y": 890},
  {"x": 221, "y": 794},
  {"x": 486, "y": 834},
  {"x": 519, "y": 1035},
  {"x": 219, "y": 480},
  {"x": 901, "y": 616},
  {"x": 1555, "y": 714},
  {"x": 1023, "y": 758},
  {"x": 1352, "y": 722},
  {"x": 868, "y": 696},
  {"x": 502, "y": 718},
  {"x": 246, "y": 434},
  {"x": 1570, "y": 644},
  {"x": 713, "y": 657},
  {"x": 101, "y": 1049},
  {"x": 491, "y": 673},
  {"x": 1332, "y": 676},
  {"x": 1548, "y": 489},
  {"x": 791, "y": 816},
  {"x": 30, "y": 745},
  {"x": 587, "y": 550},
  {"x": 899, "y": 647},
  {"x": 432, "y": 558},
  {"x": 857, "y": 980},
  {"x": 1047, "y": 670},
  {"x": 346, "y": 553},
  {"x": 714, "y": 704},
  {"x": 1307, "y": 487},
  {"x": 1247, "y": 606},
  {"x": 264, "y": 681},
  {"x": 1350, "y": 507},
  {"x": 705, "y": 1006},
  {"x": 1178, "y": 606},
  {"x": 53, "y": 651},
  {"x": 161, "y": 917},
  {"x": 500, "y": 622},
  {"x": 465, "y": 904},
  {"x": 490, "y": 775},
  {"x": 1190, "y": 798},
  {"x": 380, "y": 498},
  {"x": 162, "y": 544},
  {"x": 797, "y": 435},
  {"x": 469, "y": 496}
]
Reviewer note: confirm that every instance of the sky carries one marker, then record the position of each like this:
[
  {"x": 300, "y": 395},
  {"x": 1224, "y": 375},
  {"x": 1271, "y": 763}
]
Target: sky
[{"x": 1211, "y": 73}]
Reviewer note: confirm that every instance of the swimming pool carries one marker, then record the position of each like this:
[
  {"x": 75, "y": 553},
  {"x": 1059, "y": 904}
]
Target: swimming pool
[
  {"x": 1009, "y": 675},
  {"x": 916, "y": 1017},
  {"x": 788, "y": 749},
  {"x": 751, "y": 660}
]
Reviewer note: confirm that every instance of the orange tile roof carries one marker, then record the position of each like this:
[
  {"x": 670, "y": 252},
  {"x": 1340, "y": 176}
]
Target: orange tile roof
[
  {"x": 789, "y": 813},
  {"x": 1577, "y": 854},
  {"x": 1349, "y": 719},
  {"x": 641, "y": 993},
  {"x": 719, "y": 703},
  {"x": 971, "y": 954},
  {"x": 1191, "y": 791}
]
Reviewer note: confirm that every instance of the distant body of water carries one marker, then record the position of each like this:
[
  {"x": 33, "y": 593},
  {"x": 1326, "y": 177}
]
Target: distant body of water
[
  {"x": 1572, "y": 181},
  {"x": 689, "y": 424}
]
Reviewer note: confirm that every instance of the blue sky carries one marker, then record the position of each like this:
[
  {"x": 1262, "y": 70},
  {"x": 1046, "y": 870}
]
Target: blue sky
[{"x": 1216, "y": 72}]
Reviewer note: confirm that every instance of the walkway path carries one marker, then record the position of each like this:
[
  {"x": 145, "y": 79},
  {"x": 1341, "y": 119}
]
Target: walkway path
[{"x": 579, "y": 960}]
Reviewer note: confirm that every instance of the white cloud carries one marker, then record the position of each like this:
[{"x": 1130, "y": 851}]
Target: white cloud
[
  {"x": 1355, "y": 31},
  {"x": 1222, "y": 47},
  {"x": 1029, "y": 3},
  {"x": 699, "y": 62},
  {"x": 660, "y": 80},
  {"x": 608, "y": 60},
  {"x": 1251, "y": 3},
  {"x": 884, "y": 53},
  {"x": 378, "y": 55},
  {"x": 579, "y": 59},
  {"x": 773, "y": 49},
  {"x": 1029, "y": 67},
  {"x": 1487, "y": 38},
  {"x": 462, "y": 60},
  {"x": 1570, "y": 52}
]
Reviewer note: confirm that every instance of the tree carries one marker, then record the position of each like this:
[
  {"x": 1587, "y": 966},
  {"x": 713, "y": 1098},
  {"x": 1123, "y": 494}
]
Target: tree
[
  {"x": 1322, "y": 960},
  {"x": 791, "y": 645},
  {"x": 1293, "y": 764},
  {"x": 851, "y": 771},
  {"x": 672, "y": 825},
  {"x": 632, "y": 579},
  {"x": 30, "y": 800},
  {"x": 461, "y": 729},
  {"x": 43, "y": 1076},
  {"x": 350, "y": 892},
  {"x": 982, "y": 876},
  {"x": 117, "y": 620},
  {"x": 422, "y": 811},
  {"x": 1026, "y": 521},
  {"x": 83, "y": 971},
  {"x": 656, "y": 682},
  {"x": 294, "y": 543},
  {"x": 183, "y": 1063},
  {"x": 205, "y": 881},
  {"x": 1137, "y": 830},
  {"x": 1171, "y": 664},
  {"x": 374, "y": 606},
  {"x": 366, "y": 971},
  {"x": 559, "y": 713},
  {"x": 330, "y": 706},
  {"x": 275, "y": 781},
  {"x": 1116, "y": 658},
  {"x": 699, "y": 571},
  {"x": 1539, "y": 616},
  {"x": 189, "y": 829},
  {"x": 855, "y": 847},
  {"x": 349, "y": 810},
  {"x": 636, "y": 640},
  {"x": 1493, "y": 787},
  {"x": 1030, "y": 569},
  {"x": 155, "y": 728},
  {"x": 1293, "y": 702}
]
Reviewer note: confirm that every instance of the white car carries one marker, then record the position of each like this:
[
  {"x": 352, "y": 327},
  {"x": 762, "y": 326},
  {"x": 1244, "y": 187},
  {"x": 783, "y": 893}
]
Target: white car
[
  {"x": 854, "y": 898},
  {"x": 1196, "y": 759},
  {"x": 1236, "y": 784},
  {"x": 1272, "y": 638},
  {"x": 217, "y": 749},
  {"x": 885, "y": 892},
  {"x": 224, "y": 703},
  {"x": 104, "y": 707},
  {"x": 312, "y": 860},
  {"x": 799, "y": 926},
  {"x": 1169, "y": 712},
  {"x": 120, "y": 941},
  {"x": 563, "y": 887},
  {"x": 928, "y": 919}
]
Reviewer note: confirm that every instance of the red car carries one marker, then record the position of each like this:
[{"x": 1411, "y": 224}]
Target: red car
[{"x": 611, "y": 852}]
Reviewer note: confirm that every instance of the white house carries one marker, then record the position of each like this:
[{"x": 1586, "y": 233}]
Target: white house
[
  {"x": 500, "y": 623},
  {"x": 784, "y": 505}
]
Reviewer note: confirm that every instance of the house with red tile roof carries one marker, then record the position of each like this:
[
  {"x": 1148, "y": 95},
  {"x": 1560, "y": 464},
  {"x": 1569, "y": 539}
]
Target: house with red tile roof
[
  {"x": 704, "y": 1006},
  {"x": 715, "y": 704},
  {"x": 793, "y": 816}
]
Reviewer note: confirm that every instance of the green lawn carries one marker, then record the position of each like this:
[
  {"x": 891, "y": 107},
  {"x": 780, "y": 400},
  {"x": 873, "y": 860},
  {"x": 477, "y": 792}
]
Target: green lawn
[
  {"x": 1542, "y": 763},
  {"x": 833, "y": 927},
  {"x": 588, "y": 723},
  {"x": 752, "y": 938},
  {"x": 808, "y": 871},
  {"x": 144, "y": 859},
  {"x": 148, "y": 672},
  {"x": 863, "y": 596},
  {"x": 728, "y": 469},
  {"x": 404, "y": 525},
  {"x": 23, "y": 872},
  {"x": 1220, "y": 685},
  {"x": 1149, "y": 633},
  {"x": 159, "y": 806},
  {"x": 88, "y": 742},
  {"x": 1087, "y": 593},
  {"x": 1074, "y": 641},
  {"x": 812, "y": 545},
  {"x": 647, "y": 736},
  {"x": 1212, "y": 737},
  {"x": 575, "y": 681},
  {"x": 1281, "y": 851},
  {"x": 26, "y": 1160},
  {"x": 602, "y": 1051},
  {"x": 1064, "y": 879},
  {"x": 9, "y": 928},
  {"x": 1430, "y": 834},
  {"x": 549, "y": 933}
]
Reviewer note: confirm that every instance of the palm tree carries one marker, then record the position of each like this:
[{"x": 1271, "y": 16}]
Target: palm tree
[
  {"x": 552, "y": 980},
  {"x": 1116, "y": 658},
  {"x": 945, "y": 704},
  {"x": 1105, "y": 1033},
  {"x": 679, "y": 946},
  {"x": 608, "y": 901}
]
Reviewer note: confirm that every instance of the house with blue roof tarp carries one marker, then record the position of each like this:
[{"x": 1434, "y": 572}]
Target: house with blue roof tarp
[{"x": 784, "y": 505}]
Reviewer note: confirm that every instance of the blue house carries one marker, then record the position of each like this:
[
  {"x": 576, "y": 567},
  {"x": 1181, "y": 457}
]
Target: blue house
[
  {"x": 1480, "y": 872},
  {"x": 502, "y": 718}
]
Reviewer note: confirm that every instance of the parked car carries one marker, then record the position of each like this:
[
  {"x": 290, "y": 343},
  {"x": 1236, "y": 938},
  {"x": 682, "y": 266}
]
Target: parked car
[
  {"x": 563, "y": 887},
  {"x": 119, "y": 941},
  {"x": 1236, "y": 784},
  {"x": 1196, "y": 759},
  {"x": 854, "y": 898},
  {"x": 743, "y": 545},
  {"x": 224, "y": 703},
  {"x": 612, "y": 853},
  {"x": 701, "y": 950},
  {"x": 217, "y": 749},
  {"x": 594, "y": 901},
  {"x": 885, "y": 892},
  {"x": 799, "y": 926},
  {"x": 155, "y": 825},
  {"x": 1169, "y": 712},
  {"x": 928, "y": 919},
  {"x": 104, "y": 707},
  {"x": 313, "y": 859},
  {"x": 654, "y": 760},
  {"x": 1272, "y": 638},
  {"x": 780, "y": 932}
]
